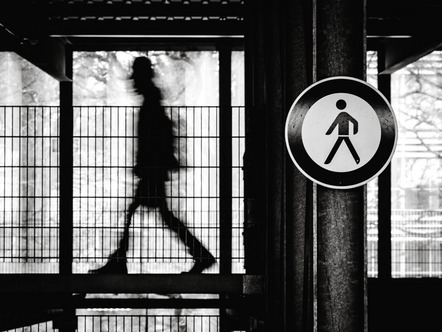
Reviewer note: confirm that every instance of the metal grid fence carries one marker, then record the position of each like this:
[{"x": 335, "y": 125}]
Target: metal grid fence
[
  {"x": 135, "y": 323},
  {"x": 416, "y": 243},
  {"x": 40, "y": 327},
  {"x": 129, "y": 321},
  {"x": 104, "y": 186},
  {"x": 104, "y": 146},
  {"x": 29, "y": 189},
  {"x": 416, "y": 237}
]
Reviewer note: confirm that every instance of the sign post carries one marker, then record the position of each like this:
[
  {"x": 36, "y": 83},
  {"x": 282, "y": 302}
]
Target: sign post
[{"x": 341, "y": 133}]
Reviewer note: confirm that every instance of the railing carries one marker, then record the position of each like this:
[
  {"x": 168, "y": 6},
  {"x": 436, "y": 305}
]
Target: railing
[
  {"x": 103, "y": 150},
  {"x": 29, "y": 189},
  {"x": 136, "y": 320},
  {"x": 416, "y": 237}
]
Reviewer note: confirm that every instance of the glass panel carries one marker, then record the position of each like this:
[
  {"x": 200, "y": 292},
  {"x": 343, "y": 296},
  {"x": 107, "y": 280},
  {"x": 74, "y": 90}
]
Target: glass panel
[{"x": 417, "y": 169}]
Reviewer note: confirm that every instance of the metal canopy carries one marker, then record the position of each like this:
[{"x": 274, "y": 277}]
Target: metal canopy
[
  {"x": 38, "y": 29},
  {"x": 36, "y": 19},
  {"x": 136, "y": 18}
]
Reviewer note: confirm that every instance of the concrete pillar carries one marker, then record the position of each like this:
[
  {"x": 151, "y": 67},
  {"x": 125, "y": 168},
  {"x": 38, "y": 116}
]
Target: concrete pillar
[{"x": 341, "y": 279}]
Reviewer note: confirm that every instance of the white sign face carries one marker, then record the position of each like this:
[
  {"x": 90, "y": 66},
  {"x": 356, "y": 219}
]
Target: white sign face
[
  {"x": 346, "y": 144},
  {"x": 341, "y": 132}
]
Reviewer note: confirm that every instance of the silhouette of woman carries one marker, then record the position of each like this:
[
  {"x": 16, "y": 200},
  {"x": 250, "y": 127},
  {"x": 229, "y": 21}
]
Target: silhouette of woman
[{"x": 153, "y": 161}]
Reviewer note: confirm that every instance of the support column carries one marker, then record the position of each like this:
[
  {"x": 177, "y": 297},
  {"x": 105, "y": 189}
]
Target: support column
[
  {"x": 225, "y": 123},
  {"x": 278, "y": 198},
  {"x": 296, "y": 26},
  {"x": 68, "y": 320},
  {"x": 66, "y": 175},
  {"x": 341, "y": 279}
]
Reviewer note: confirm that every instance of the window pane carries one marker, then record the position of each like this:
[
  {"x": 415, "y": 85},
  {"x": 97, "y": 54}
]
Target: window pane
[{"x": 416, "y": 169}]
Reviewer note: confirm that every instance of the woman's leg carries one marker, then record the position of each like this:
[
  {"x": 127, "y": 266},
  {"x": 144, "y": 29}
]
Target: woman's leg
[
  {"x": 124, "y": 242},
  {"x": 117, "y": 260},
  {"x": 203, "y": 258}
]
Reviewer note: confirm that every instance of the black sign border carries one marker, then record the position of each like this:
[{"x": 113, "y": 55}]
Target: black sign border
[{"x": 295, "y": 120}]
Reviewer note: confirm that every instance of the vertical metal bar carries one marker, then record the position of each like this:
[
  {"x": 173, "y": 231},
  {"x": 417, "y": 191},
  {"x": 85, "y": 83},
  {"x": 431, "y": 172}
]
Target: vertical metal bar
[
  {"x": 3, "y": 168},
  {"x": 265, "y": 229},
  {"x": 296, "y": 26},
  {"x": 384, "y": 189},
  {"x": 254, "y": 157},
  {"x": 341, "y": 283},
  {"x": 66, "y": 173},
  {"x": 225, "y": 124},
  {"x": 22, "y": 190},
  {"x": 275, "y": 167}
]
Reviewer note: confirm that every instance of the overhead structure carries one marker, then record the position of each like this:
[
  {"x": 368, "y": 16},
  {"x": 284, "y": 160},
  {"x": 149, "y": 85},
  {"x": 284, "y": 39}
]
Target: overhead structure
[{"x": 37, "y": 30}]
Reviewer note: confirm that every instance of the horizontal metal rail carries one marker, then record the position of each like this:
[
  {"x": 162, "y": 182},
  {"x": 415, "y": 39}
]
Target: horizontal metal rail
[{"x": 239, "y": 284}]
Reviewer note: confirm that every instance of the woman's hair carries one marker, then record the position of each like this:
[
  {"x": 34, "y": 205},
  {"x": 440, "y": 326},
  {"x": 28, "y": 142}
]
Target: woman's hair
[
  {"x": 142, "y": 66},
  {"x": 142, "y": 74}
]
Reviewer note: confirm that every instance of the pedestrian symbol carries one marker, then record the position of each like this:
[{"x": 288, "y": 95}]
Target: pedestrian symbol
[
  {"x": 335, "y": 111},
  {"x": 343, "y": 121},
  {"x": 341, "y": 132}
]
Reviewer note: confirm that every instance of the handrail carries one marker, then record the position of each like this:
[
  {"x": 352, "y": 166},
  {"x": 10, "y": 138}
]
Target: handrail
[{"x": 131, "y": 283}]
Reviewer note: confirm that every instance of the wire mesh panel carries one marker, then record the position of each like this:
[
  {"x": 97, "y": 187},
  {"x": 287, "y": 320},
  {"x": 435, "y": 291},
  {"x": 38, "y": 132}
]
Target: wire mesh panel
[
  {"x": 40, "y": 327},
  {"x": 103, "y": 183},
  {"x": 238, "y": 149},
  {"x": 372, "y": 243},
  {"x": 135, "y": 320},
  {"x": 148, "y": 322},
  {"x": 105, "y": 146},
  {"x": 29, "y": 189},
  {"x": 416, "y": 243},
  {"x": 135, "y": 323}
]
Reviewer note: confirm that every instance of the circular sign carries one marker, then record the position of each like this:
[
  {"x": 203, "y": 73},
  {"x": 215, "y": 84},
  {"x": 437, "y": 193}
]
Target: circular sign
[{"x": 341, "y": 132}]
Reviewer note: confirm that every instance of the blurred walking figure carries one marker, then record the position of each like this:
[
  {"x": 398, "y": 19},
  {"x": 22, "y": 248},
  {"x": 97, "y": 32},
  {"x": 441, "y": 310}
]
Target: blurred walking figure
[{"x": 153, "y": 161}]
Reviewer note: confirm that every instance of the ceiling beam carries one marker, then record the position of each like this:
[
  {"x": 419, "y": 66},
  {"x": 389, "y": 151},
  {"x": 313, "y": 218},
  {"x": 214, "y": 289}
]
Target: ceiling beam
[
  {"x": 51, "y": 57},
  {"x": 146, "y": 28},
  {"x": 47, "y": 54},
  {"x": 97, "y": 9},
  {"x": 175, "y": 43},
  {"x": 400, "y": 53},
  {"x": 23, "y": 18}
]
